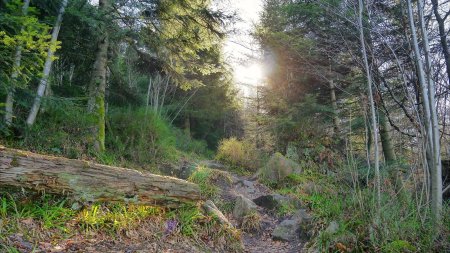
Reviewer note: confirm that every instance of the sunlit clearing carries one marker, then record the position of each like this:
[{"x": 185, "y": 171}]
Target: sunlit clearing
[{"x": 249, "y": 74}]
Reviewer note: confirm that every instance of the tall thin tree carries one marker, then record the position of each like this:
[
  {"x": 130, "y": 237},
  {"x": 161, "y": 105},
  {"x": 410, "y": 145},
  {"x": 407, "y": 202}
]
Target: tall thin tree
[
  {"x": 371, "y": 102},
  {"x": 47, "y": 66},
  {"x": 9, "y": 105}
]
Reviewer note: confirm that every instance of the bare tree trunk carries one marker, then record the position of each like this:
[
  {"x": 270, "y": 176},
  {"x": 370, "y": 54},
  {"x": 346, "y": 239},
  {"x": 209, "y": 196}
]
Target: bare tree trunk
[
  {"x": 335, "y": 109},
  {"x": 89, "y": 182},
  {"x": 47, "y": 67},
  {"x": 371, "y": 103},
  {"x": 9, "y": 105},
  {"x": 148, "y": 94},
  {"x": 97, "y": 86},
  {"x": 436, "y": 172}
]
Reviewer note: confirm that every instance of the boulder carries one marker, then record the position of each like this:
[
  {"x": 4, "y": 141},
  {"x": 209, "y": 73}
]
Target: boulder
[
  {"x": 286, "y": 230},
  {"x": 298, "y": 226},
  {"x": 271, "y": 202},
  {"x": 243, "y": 207},
  {"x": 186, "y": 170},
  {"x": 183, "y": 170},
  {"x": 277, "y": 168},
  {"x": 275, "y": 201},
  {"x": 248, "y": 186},
  {"x": 305, "y": 231}
]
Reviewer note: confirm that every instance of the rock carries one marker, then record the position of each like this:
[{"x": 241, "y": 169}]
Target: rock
[
  {"x": 275, "y": 201},
  {"x": 212, "y": 209},
  {"x": 332, "y": 228},
  {"x": 76, "y": 206},
  {"x": 286, "y": 230},
  {"x": 298, "y": 226},
  {"x": 271, "y": 202},
  {"x": 277, "y": 168},
  {"x": 186, "y": 170},
  {"x": 302, "y": 216},
  {"x": 243, "y": 207},
  {"x": 305, "y": 224},
  {"x": 183, "y": 170},
  {"x": 248, "y": 186}
]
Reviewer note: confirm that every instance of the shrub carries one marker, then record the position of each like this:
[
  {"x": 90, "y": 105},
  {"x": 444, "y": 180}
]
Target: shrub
[
  {"x": 238, "y": 153},
  {"x": 140, "y": 137}
]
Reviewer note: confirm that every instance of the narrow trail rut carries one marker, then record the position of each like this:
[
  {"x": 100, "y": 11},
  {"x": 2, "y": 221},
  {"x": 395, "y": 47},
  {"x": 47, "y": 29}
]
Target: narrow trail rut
[{"x": 260, "y": 241}]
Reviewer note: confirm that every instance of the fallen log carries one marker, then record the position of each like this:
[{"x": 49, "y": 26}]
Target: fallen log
[{"x": 86, "y": 181}]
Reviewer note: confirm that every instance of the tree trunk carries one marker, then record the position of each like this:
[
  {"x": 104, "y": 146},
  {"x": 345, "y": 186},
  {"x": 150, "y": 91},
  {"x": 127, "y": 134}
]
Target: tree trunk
[
  {"x": 335, "y": 109},
  {"x": 442, "y": 36},
  {"x": 385, "y": 137},
  {"x": 97, "y": 86},
  {"x": 47, "y": 67},
  {"x": 371, "y": 104},
  {"x": 89, "y": 182},
  {"x": 436, "y": 172},
  {"x": 9, "y": 105}
]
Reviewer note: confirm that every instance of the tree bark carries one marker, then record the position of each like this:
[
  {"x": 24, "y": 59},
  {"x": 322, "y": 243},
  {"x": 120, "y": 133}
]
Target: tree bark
[
  {"x": 97, "y": 86},
  {"x": 385, "y": 137},
  {"x": 47, "y": 67},
  {"x": 89, "y": 182},
  {"x": 371, "y": 104},
  {"x": 436, "y": 172},
  {"x": 9, "y": 105}
]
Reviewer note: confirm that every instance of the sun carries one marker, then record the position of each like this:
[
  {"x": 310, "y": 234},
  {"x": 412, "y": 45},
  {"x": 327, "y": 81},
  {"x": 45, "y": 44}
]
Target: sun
[{"x": 251, "y": 74}]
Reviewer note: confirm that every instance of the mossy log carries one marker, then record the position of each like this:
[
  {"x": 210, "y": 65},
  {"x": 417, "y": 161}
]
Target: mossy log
[{"x": 90, "y": 182}]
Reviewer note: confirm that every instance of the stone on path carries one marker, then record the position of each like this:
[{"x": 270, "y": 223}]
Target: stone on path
[
  {"x": 247, "y": 186},
  {"x": 243, "y": 207},
  {"x": 298, "y": 226},
  {"x": 273, "y": 201},
  {"x": 286, "y": 230}
]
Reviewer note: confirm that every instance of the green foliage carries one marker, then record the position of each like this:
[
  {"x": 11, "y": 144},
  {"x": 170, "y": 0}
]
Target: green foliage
[
  {"x": 187, "y": 32},
  {"x": 29, "y": 34},
  {"x": 209, "y": 180},
  {"x": 51, "y": 211},
  {"x": 114, "y": 218},
  {"x": 139, "y": 136},
  {"x": 238, "y": 154},
  {"x": 193, "y": 223},
  {"x": 190, "y": 145},
  {"x": 60, "y": 130}
]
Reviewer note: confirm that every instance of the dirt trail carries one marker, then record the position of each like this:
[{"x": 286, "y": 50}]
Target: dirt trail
[{"x": 260, "y": 241}]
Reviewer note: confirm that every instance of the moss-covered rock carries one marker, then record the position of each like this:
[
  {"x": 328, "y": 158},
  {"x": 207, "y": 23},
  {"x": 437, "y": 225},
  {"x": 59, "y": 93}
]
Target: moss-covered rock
[{"x": 277, "y": 168}]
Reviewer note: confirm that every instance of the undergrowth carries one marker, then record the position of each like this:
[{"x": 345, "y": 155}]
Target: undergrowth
[
  {"x": 135, "y": 138},
  {"x": 404, "y": 224},
  {"x": 26, "y": 218}
]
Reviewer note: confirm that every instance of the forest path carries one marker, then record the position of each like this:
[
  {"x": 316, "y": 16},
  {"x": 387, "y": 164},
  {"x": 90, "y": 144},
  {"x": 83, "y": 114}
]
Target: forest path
[{"x": 259, "y": 241}]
